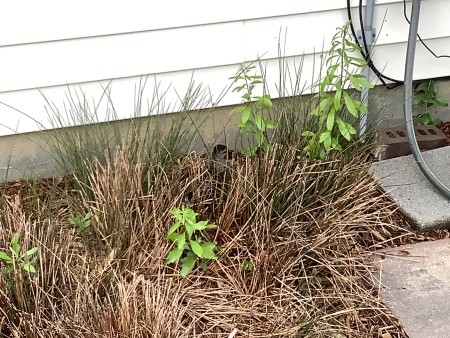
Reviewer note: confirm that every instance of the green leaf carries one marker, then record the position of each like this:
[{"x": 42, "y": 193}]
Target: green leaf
[
  {"x": 239, "y": 109},
  {"x": 181, "y": 240},
  {"x": 5, "y": 257},
  {"x": 189, "y": 229},
  {"x": 360, "y": 63},
  {"x": 238, "y": 88},
  {"x": 330, "y": 119},
  {"x": 416, "y": 103},
  {"x": 360, "y": 106},
  {"x": 250, "y": 151},
  {"x": 31, "y": 252},
  {"x": 308, "y": 134},
  {"x": 28, "y": 267},
  {"x": 259, "y": 122},
  {"x": 331, "y": 71},
  {"x": 246, "y": 114},
  {"x": 15, "y": 246},
  {"x": 200, "y": 225},
  {"x": 435, "y": 121},
  {"x": 325, "y": 138},
  {"x": 349, "y": 103},
  {"x": 352, "y": 44},
  {"x": 322, "y": 105},
  {"x": 173, "y": 237},
  {"x": 211, "y": 226},
  {"x": 208, "y": 250},
  {"x": 176, "y": 213},
  {"x": 422, "y": 87},
  {"x": 247, "y": 96},
  {"x": 270, "y": 124},
  {"x": 245, "y": 126},
  {"x": 174, "y": 255},
  {"x": 248, "y": 68},
  {"x": 355, "y": 82},
  {"x": 196, "y": 248},
  {"x": 345, "y": 129},
  {"x": 337, "y": 96},
  {"x": 74, "y": 220},
  {"x": 188, "y": 264},
  {"x": 247, "y": 265},
  {"x": 87, "y": 217},
  {"x": 190, "y": 214},
  {"x": 174, "y": 228},
  {"x": 425, "y": 118},
  {"x": 440, "y": 102},
  {"x": 346, "y": 59},
  {"x": 259, "y": 139},
  {"x": 360, "y": 81},
  {"x": 15, "y": 239},
  {"x": 264, "y": 101}
]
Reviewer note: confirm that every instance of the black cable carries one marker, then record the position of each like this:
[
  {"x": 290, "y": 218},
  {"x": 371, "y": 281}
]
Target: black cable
[
  {"x": 366, "y": 47},
  {"x": 364, "y": 52},
  {"x": 420, "y": 39},
  {"x": 409, "y": 69}
]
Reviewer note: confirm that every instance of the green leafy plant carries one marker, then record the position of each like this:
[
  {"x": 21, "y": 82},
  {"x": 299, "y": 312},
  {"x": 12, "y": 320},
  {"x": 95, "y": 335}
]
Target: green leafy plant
[
  {"x": 82, "y": 223},
  {"x": 334, "y": 100},
  {"x": 247, "y": 265},
  {"x": 190, "y": 245},
  {"x": 252, "y": 121},
  {"x": 18, "y": 263},
  {"x": 425, "y": 97}
]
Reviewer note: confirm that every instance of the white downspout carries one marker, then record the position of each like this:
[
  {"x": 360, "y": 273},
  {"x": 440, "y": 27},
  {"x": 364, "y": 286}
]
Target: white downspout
[{"x": 368, "y": 31}]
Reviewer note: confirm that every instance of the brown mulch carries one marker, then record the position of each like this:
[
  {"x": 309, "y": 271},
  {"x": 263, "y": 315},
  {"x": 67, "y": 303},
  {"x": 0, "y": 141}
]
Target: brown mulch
[{"x": 445, "y": 127}]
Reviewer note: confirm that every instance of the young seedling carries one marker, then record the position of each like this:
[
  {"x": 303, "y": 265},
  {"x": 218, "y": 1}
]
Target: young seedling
[
  {"x": 190, "y": 245},
  {"x": 425, "y": 97},
  {"x": 252, "y": 121},
  {"x": 18, "y": 262},
  {"x": 247, "y": 265},
  {"x": 82, "y": 223},
  {"x": 334, "y": 100}
]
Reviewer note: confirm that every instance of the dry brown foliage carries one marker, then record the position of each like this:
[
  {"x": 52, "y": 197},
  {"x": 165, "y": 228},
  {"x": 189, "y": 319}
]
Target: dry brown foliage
[{"x": 305, "y": 227}]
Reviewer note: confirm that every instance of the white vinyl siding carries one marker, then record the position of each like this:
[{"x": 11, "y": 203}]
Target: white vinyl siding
[{"x": 51, "y": 44}]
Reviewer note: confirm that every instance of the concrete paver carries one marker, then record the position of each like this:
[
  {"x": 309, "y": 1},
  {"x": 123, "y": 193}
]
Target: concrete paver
[
  {"x": 415, "y": 284},
  {"x": 393, "y": 142},
  {"x": 416, "y": 197}
]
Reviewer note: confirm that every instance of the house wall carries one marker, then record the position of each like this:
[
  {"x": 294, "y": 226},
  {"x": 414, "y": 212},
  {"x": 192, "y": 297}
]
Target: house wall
[{"x": 52, "y": 52}]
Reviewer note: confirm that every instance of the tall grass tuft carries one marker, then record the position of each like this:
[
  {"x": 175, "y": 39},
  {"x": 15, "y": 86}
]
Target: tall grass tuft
[
  {"x": 292, "y": 233},
  {"x": 302, "y": 227},
  {"x": 82, "y": 133}
]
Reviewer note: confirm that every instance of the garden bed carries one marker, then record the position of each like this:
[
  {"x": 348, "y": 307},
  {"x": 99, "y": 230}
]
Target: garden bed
[{"x": 292, "y": 243}]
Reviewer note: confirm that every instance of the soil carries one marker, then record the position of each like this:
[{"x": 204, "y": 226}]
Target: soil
[{"x": 445, "y": 127}]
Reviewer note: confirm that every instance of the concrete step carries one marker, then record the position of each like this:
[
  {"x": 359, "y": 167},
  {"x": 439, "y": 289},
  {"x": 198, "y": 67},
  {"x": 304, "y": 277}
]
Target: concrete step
[
  {"x": 415, "y": 196},
  {"x": 414, "y": 282}
]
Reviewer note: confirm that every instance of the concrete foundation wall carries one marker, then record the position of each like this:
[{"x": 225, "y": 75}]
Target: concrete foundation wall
[
  {"x": 32, "y": 154},
  {"x": 29, "y": 154},
  {"x": 386, "y": 105}
]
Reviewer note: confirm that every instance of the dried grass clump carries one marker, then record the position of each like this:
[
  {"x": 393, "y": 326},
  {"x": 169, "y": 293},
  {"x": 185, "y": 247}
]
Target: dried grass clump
[{"x": 304, "y": 226}]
